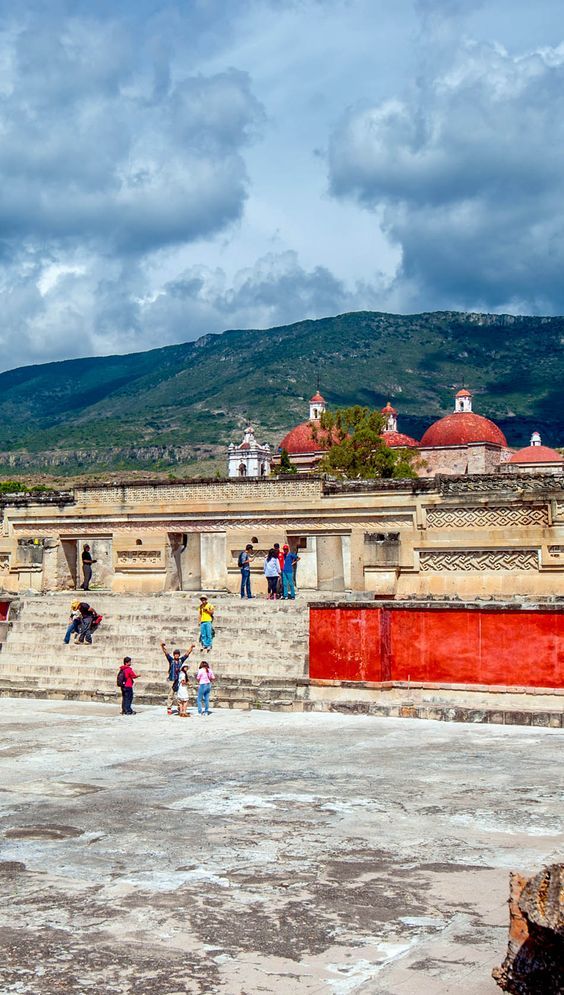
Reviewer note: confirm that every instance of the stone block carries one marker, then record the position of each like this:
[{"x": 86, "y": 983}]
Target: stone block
[
  {"x": 553, "y": 720},
  {"x": 495, "y": 718},
  {"x": 476, "y": 715},
  {"x": 517, "y": 718},
  {"x": 408, "y": 712}
]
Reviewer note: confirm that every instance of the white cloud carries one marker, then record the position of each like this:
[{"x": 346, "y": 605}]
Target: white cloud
[{"x": 467, "y": 172}]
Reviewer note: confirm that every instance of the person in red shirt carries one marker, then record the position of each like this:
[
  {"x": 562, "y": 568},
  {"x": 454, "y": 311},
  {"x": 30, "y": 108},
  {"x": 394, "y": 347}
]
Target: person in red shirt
[
  {"x": 280, "y": 555},
  {"x": 126, "y": 679}
]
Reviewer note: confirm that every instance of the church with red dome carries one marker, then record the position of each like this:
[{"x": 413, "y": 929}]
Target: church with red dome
[{"x": 461, "y": 442}]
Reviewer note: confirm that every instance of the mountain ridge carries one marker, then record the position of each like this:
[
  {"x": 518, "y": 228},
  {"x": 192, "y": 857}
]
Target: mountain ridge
[{"x": 200, "y": 393}]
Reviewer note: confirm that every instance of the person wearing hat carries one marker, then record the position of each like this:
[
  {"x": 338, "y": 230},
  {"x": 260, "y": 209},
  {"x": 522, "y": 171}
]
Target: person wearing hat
[
  {"x": 175, "y": 663},
  {"x": 75, "y": 619},
  {"x": 288, "y": 573},
  {"x": 205, "y": 616}
]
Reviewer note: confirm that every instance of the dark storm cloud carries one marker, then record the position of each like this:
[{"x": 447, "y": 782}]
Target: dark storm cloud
[
  {"x": 93, "y": 148},
  {"x": 466, "y": 172}
]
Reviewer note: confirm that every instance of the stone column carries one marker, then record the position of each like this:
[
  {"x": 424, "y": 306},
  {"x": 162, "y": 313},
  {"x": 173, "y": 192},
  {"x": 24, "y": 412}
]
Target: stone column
[{"x": 356, "y": 555}]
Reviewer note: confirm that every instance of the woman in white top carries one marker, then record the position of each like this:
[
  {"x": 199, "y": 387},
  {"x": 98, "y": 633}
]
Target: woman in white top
[
  {"x": 182, "y": 693},
  {"x": 272, "y": 573}
]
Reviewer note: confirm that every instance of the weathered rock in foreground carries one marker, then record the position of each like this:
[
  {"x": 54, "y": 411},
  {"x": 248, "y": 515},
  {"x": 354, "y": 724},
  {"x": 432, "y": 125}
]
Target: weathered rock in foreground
[{"x": 534, "y": 964}]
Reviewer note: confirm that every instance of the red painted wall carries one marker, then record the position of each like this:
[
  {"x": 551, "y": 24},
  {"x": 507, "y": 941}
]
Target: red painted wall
[{"x": 430, "y": 645}]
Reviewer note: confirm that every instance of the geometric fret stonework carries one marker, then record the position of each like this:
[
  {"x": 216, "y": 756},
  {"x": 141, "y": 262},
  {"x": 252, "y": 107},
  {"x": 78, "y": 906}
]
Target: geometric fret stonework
[
  {"x": 478, "y": 559},
  {"x": 499, "y": 517}
]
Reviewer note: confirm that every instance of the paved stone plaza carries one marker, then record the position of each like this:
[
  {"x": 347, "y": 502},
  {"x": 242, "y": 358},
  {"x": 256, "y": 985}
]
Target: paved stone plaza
[{"x": 260, "y": 852}]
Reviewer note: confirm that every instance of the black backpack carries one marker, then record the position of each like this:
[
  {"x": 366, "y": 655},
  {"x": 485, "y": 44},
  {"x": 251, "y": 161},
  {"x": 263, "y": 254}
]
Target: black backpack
[
  {"x": 242, "y": 558},
  {"x": 120, "y": 679}
]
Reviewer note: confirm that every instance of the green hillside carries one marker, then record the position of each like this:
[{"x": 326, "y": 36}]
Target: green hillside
[{"x": 202, "y": 392}]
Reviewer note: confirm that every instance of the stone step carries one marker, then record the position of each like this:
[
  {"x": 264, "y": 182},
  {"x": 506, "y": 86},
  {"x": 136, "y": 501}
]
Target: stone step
[
  {"x": 95, "y": 668},
  {"x": 229, "y": 697},
  {"x": 110, "y": 663},
  {"x": 54, "y": 637},
  {"x": 260, "y": 686},
  {"x": 154, "y": 630},
  {"x": 154, "y": 607}
]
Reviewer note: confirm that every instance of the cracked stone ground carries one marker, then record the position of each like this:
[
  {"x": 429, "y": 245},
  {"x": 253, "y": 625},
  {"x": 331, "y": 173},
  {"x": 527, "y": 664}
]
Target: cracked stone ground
[{"x": 260, "y": 852}]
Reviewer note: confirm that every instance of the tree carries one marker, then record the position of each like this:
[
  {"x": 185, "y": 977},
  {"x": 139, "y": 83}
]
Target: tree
[
  {"x": 357, "y": 450},
  {"x": 285, "y": 466}
]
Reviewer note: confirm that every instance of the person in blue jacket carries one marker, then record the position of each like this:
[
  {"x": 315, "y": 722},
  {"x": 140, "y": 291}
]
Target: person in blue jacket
[
  {"x": 288, "y": 573},
  {"x": 175, "y": 662}
]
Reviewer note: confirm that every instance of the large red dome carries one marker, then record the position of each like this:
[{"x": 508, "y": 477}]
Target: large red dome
[
  {"x": 536, "y": 454},
  {"x": 301, "y": 440},
  {"x": 462, "y": 427}
]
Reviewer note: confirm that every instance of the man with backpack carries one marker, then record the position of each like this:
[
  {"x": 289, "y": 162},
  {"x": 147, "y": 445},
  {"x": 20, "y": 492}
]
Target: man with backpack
[
  {"x": 244, "y": 563},
  {"x": 125, "y": 679},
  {"x": 175, "y": 663}
]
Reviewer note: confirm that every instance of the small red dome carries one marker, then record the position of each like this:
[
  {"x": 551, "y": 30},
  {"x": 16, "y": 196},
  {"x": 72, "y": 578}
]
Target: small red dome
[
  {"x": 462, "y": 427},
  {"x": 388, "y": 410},
  {"x": 301, "y": 440},
  {"x": 536, "y": 454},
  {"x": 396, "y": 439},
  {"x": 464, "y": 393},
  {"x": 317, "y": 399}
]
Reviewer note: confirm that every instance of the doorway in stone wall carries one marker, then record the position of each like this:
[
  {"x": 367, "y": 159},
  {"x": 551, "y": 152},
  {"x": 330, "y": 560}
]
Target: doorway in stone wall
[
  {"x": 185, "y": 567},
  {"x": 67, "y": 565},
  {"x": 70, "y": 562}
]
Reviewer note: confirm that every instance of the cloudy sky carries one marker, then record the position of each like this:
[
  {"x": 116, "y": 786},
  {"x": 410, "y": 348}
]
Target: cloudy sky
[{"x": 170, "y": 169}]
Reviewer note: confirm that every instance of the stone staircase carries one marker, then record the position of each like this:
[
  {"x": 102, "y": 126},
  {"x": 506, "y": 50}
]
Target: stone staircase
[
  {"x": 259, "y": 655},
  {"x": 259, "y": 652}
]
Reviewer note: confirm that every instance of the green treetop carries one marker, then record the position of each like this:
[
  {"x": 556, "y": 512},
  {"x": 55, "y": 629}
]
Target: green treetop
[
  {"x": 285, "y": 465},
  {"x": 357, "y": 450}
]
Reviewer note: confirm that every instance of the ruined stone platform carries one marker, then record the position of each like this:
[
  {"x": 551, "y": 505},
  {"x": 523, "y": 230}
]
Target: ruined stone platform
[
  {"x": 260, "y": 656},
  {"x": 290, "y": 854}
]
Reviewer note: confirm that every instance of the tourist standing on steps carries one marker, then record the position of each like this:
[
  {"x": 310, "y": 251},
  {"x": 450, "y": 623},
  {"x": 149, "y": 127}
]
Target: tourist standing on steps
[
  {"x": 272, "y": 573},
  {"x": 245, "y": 558},
  {"x": 87, "y": 562},
  {"x": 288, "y": 573},
  {"x": 174, "y": 664},
  {"x": 183, "y": 692},
  {"x": 126, "y": 678},
  {"x": 205, "y": 616},
  {"x": 75, "y": 620},
  {"x": 280, "y": 555},
  {"x": 204, "y": 677}
]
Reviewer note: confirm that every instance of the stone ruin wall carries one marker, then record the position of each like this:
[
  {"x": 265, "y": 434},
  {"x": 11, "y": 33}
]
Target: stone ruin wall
[{"x": 472, "y": 536}]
